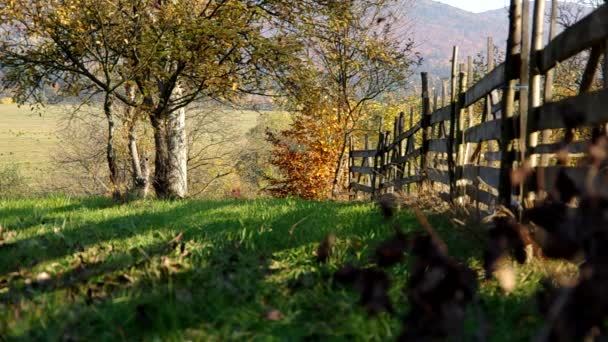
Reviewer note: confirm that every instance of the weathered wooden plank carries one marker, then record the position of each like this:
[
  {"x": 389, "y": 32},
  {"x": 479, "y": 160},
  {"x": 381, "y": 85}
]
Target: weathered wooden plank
[
  {"x": 587, "y": 109},
  {"x": 441, "y": 114},
  {"x": 362, "y": 169},
  {"x": 441, "y": 162},
  {"x": 405, "y": 135},
  {"x": 589, "y": 31},
  {"x": 362, "y": 188},
  {"x": 402, "y": 182},
  {"x": 576, "y": 174},
  {"x": 489, "y": 175},
  {"x": 412, "y": 155},
  {"x": 489, "y": 130},
  {"x": 491, "y": 156},
  {"x": 438, "y": 176},
  {"x": 363, "y": 153},
  {"x": 408, "y": 180},
  {"x": 576, "y": 147},
  {"x": 481, "y": 196},
  {"x": 494, "y": 79},
  {"x": 438, "y": 145}
]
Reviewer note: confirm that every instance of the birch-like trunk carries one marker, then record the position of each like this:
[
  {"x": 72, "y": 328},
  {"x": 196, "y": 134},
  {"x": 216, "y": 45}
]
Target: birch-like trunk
[
  {"x": 171, "y": 159},
  {"x": 178, "y": 153},
  {"x": 141, "y": 174}
]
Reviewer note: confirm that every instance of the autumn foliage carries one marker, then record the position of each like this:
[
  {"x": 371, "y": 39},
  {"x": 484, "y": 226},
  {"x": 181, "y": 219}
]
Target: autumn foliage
[{"x": 306, "y": 155}]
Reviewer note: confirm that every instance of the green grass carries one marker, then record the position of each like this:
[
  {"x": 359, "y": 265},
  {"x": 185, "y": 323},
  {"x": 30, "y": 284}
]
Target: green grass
[{"x": 112, "y": 276}]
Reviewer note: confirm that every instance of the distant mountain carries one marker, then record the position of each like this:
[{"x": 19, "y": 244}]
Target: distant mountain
[{"x": 437, "y": 27}]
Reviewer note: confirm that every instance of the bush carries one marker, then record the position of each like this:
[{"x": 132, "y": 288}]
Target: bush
[{"x": 12, "y": 181}]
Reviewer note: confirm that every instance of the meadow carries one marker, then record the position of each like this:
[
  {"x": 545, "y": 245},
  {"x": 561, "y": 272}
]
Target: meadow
[
  {"x": 33, "y": 145},
  {"x": 90, "y": 269},
  {"x": 28, "y": 138}
]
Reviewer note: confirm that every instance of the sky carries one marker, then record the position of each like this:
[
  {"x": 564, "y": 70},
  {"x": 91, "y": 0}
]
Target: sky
[{"x": 477, "y": 5}]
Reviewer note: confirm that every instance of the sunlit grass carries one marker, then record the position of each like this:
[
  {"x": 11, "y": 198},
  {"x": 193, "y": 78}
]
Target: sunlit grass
[{"x": 113, "y": 277}]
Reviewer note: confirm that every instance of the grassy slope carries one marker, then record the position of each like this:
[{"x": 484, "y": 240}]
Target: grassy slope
[{"x": 111, "y": 278}]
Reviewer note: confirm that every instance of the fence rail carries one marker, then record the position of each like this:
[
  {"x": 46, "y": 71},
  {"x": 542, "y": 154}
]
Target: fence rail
[{"x": 468, "y": 148}]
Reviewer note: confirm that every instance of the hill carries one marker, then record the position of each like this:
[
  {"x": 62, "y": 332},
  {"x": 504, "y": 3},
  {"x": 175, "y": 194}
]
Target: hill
[{"x": 437, "y": 27}]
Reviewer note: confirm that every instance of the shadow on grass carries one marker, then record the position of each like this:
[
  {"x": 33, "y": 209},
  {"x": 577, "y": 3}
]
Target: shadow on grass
[
  {"x": 226, "y": 289},
  {"x": 30, "y": 213},
  {"x": 29, "y": 252},
  {"x": 222, "y": 284}
]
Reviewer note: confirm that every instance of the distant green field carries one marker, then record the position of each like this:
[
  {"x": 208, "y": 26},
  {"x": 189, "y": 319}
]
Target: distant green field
[
  {"x": 27, "y": 137},
  {"x": 30, "y": 139}
]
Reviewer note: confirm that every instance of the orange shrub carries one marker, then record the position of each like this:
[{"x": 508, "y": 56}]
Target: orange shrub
[{"x": 306, "y": 155}]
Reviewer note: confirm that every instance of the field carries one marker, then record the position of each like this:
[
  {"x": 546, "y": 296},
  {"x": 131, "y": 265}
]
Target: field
[
  {"x": 31, "y": 141},
  {"x": 28, "y": 138},
  {"x": 88, "y": 269}
]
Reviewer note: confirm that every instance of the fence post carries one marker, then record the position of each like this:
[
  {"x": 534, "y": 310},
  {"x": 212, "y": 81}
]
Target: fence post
[
  {"x": 399, "y": 146},
  {"x": 350, "y": 164},
  {"x": 460, "y": 129},
  {"x": 386, "y": 163},
  {"x": 508, "y": 101},
  {"x": 376, "y": 170},
  {"x": 424, "y": 124},
  {"x": 409, "y": 147},
  {"x": 453, "y": 120},
  {"x": 524, "y": 83},
  {"x": 531, "y": 138},
  {"x": 367, "y": 162},
  {"x": 549, "y": 77}
]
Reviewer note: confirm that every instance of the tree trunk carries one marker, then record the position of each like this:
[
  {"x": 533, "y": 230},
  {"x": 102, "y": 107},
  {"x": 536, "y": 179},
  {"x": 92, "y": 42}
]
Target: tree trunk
[
  {"x": 340, "y": 167},
  {"x": 178, "y": 152},
  {"x": 110, "y": 152},
  {"x": 141, "y": 179},
  {"x": 170, "y": 164}
]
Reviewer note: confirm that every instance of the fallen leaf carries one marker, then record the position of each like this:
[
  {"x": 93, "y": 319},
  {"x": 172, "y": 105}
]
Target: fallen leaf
[
  {"x": 506, "y": 278},
  {"x": 274, "y": 315},
  {"x": 43, "y": 277}
]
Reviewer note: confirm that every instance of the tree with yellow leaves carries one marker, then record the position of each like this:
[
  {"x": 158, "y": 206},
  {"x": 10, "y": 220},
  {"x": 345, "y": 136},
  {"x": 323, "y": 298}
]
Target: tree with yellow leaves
[
  {"x": 351, "y": 57},
  {"x": 158, "y": 56}
]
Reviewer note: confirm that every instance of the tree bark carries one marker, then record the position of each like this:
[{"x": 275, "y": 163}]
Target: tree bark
[
  {"x": 141, "y": 179},
  {"x": 178, "y": 150},
  {"x": 110, "y": 152},
  {"x": 340, "y": 166},
  {"x": 171, "y": 154}
]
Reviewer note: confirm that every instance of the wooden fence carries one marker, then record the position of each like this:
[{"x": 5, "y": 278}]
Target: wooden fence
[{"x": 468, "y": 148}]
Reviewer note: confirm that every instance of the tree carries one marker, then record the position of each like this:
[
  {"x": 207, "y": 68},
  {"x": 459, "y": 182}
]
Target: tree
[
  {"x": 351, "y": 57},
  {"x": 172, "y": 53},
  {"x": 569, "y": 74}
]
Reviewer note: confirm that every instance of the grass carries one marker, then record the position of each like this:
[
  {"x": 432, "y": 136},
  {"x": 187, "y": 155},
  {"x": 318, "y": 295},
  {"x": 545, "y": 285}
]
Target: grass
[
  {"x": 87, "y": 269},
  {"x": 28, "y": 138}
]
